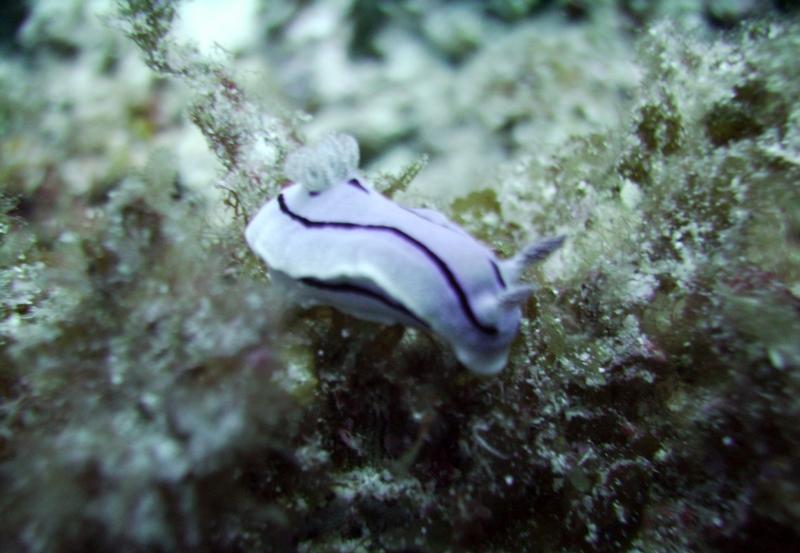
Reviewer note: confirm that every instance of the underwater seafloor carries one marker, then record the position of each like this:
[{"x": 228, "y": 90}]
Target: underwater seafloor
[{"x": 157, "y": 394}]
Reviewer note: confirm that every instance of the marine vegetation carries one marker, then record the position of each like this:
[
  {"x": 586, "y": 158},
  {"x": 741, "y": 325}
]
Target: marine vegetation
[{"x": 157, "y": 392}]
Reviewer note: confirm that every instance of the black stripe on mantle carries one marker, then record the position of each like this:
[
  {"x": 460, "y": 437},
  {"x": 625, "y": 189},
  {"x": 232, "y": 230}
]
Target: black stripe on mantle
[
  {"x": 350, "y": 288},
  {"x": 446, "y": 272}
]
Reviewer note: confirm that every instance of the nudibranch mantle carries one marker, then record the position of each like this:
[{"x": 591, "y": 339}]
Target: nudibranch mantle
[{"x": 336, "y": 241}]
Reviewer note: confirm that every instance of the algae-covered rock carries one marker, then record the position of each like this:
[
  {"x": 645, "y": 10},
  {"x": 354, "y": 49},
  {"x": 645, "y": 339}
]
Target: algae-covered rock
[{"x": 158, "y": 394}]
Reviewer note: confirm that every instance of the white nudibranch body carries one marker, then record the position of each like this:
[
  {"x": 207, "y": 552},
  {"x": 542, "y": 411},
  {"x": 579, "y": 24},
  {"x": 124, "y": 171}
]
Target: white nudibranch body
[{"x": 336, "y": 241}]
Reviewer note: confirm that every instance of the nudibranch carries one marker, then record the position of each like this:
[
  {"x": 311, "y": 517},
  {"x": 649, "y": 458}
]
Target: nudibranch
[{"x": 334, "y": 240}]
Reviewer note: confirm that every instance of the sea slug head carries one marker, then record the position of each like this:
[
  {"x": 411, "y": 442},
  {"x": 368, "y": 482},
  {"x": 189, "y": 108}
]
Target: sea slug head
[{"x": 319, "y": 166}]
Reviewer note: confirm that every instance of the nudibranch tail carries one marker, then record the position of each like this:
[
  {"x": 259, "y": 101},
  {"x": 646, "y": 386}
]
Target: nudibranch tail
[{"x": 317, "y": 167}]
